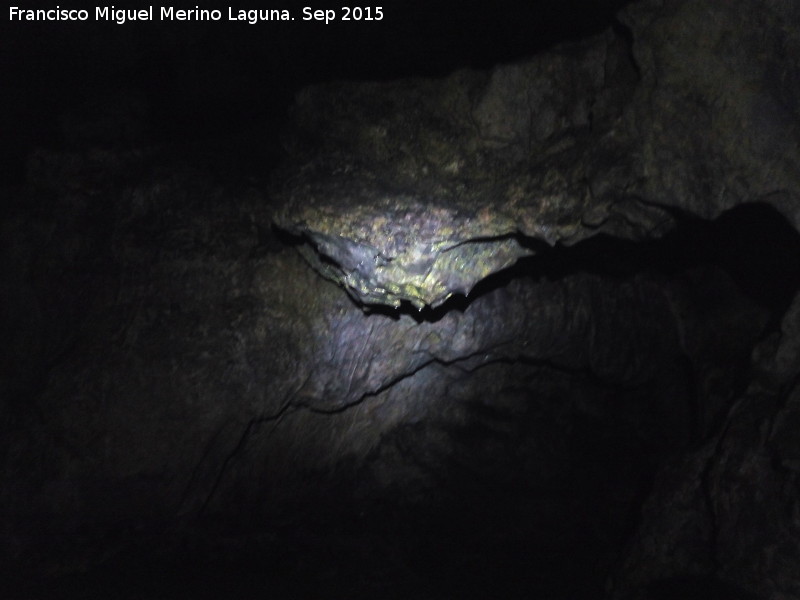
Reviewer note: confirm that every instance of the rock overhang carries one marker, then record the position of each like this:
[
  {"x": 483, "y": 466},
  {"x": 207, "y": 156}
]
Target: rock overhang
[
  {"x": 388, "y": 238},
  {"x": 393, "y": 248},
  {"x": 415, "y": 191}
]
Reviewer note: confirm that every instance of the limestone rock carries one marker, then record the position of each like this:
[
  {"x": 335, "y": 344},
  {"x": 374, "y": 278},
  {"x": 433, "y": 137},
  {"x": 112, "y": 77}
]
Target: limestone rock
[
  {"x": 177, "y": 381},
  {"x": 416, "y": 190}
]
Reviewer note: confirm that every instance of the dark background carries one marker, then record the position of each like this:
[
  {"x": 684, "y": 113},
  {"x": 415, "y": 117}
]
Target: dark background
[{"x": 222, "y": 79}]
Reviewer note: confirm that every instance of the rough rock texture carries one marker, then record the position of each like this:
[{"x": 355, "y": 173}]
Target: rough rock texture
[
  {"x": 417, "y": 190},
  {"x": 716, "y": 114},
  {"x": 724, "y": 519},
  {"x": 414, "y": 191},
  {"x": 612, "y": 410}
]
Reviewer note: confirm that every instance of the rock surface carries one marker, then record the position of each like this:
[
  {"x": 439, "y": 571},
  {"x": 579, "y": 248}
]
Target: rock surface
[
  {"x": 417, "y": 190},
  {"x": 724, "y": 519},
  {"x": 550, "y": 378}
]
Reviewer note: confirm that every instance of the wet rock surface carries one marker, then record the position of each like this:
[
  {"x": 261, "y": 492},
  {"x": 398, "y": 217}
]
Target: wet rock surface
[{"x": 549, "y": 354}]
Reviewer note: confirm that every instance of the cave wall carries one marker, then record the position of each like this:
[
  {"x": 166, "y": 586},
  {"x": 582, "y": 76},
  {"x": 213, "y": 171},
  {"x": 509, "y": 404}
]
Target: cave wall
[
  {"x": 227, "y": 369},
  {"x": 214, "y": 372}
]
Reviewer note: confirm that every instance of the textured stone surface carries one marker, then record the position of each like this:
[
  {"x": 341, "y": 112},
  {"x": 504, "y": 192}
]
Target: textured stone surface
[
  {"x": 723, "y": 519},
  {"x": 214, "y": 374},
  {"x": 716, "y": 112},
  {"x": 417, "y": 190},
  {"x": 178, "y": 383},
  {"x": 699, "y": 114}
]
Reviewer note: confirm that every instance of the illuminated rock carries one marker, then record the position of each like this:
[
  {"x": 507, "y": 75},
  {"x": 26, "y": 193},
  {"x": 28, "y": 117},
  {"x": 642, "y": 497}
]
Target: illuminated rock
[{"x": 415, "y": 191}]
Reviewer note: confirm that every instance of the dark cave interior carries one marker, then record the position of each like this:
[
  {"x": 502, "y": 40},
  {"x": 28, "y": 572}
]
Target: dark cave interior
[
  {"x": 513, "y": 521},
  {"x": 189, "y": 410},
  {"x": 230, "y": 86}
]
